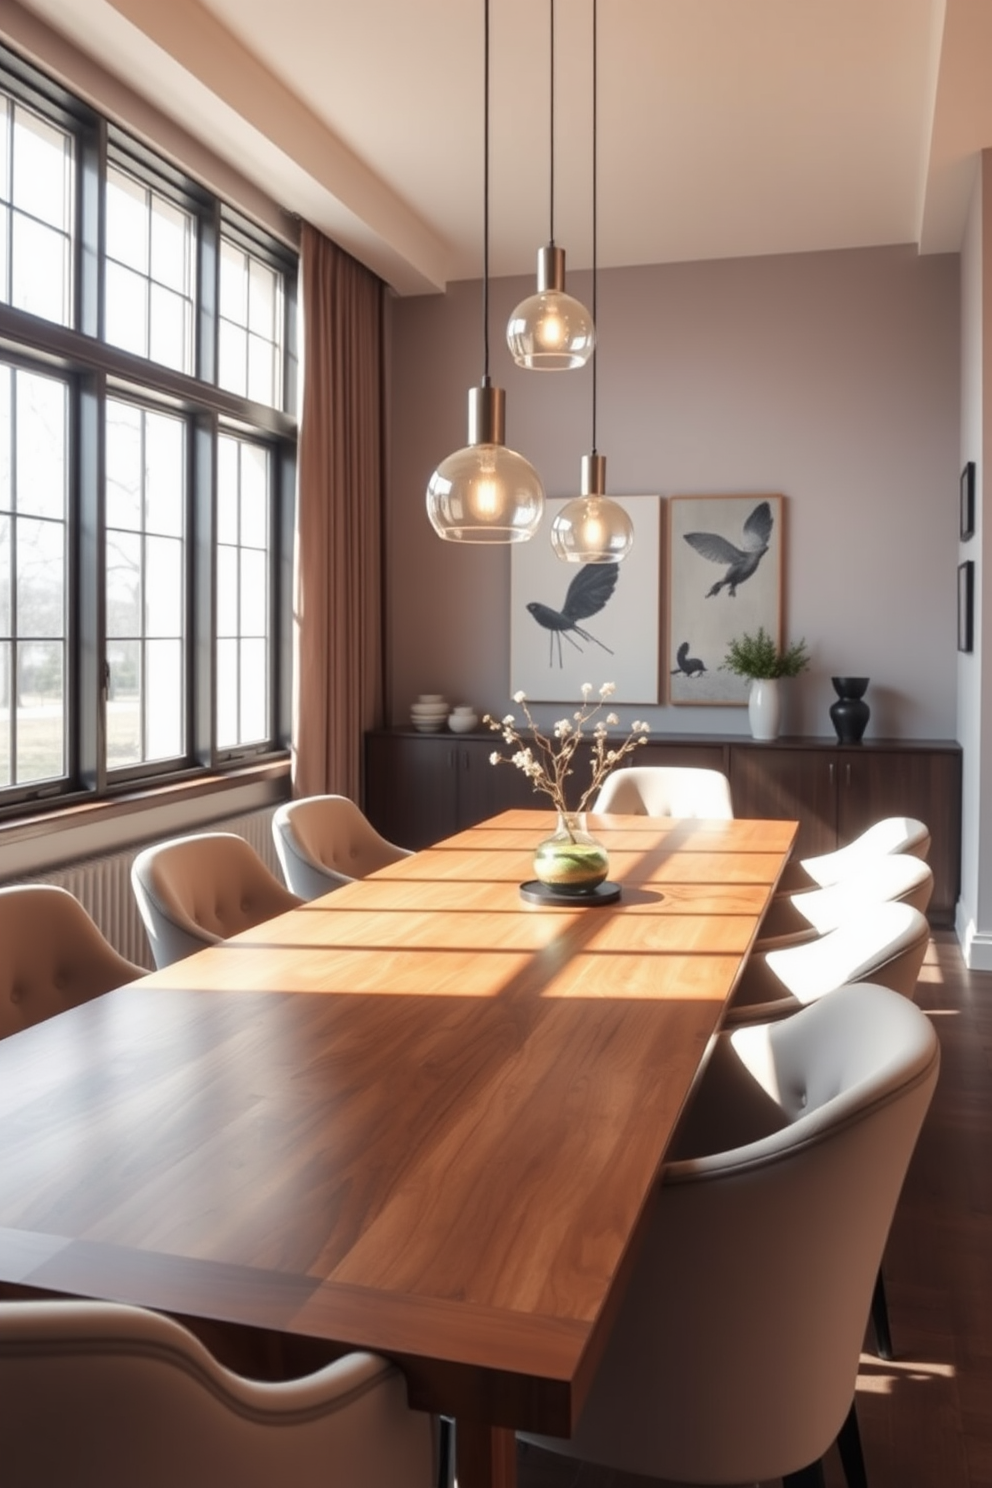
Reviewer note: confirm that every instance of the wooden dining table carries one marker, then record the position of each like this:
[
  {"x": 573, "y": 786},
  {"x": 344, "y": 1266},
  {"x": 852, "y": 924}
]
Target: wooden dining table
[{"x": 418, "y": 1116}]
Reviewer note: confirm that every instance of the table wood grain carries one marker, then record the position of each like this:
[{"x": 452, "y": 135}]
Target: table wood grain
[{"x": 416, "y": 1115}]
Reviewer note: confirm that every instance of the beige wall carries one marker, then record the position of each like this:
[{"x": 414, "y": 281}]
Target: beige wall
[{"x": 830, "y": 377}]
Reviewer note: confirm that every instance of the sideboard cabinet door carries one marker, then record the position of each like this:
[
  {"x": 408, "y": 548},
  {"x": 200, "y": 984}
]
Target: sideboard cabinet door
[
  {"x": 484, "y": 788},
  {"x": 679, "y": 754},
  {"x": 837, "y": 793},
  {"x": 420, "y": 788},
  {"x": 913, "y": 782},
  {"x": 411, "y": 793},
  {"x": 788, "y": 784}
]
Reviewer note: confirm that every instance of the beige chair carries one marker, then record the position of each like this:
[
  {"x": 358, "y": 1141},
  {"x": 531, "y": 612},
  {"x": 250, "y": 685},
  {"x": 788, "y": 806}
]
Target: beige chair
[
  {"x": 103, "y": 1396},
  {"x": 666, "y": 790},
  {"x": 196, "y": 891},
  {"x": 52, "y": 956},
  {"x": 326, "y": 841},
  {"x": 884, "y": 944},
  {"x": 894, "y": 834},
  {"x": 734, "y": 1355},
  {"x": 897, "y": 878}
]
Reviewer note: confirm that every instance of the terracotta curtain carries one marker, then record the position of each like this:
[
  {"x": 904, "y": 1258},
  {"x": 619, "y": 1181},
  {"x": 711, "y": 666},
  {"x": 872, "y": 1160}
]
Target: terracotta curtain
[{"x": 338, "y": 596}]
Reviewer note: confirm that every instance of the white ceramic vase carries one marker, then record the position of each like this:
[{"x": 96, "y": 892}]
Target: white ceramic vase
[
  {"x": 463, "y": 720},
  {"x": 763, "y": 707}
]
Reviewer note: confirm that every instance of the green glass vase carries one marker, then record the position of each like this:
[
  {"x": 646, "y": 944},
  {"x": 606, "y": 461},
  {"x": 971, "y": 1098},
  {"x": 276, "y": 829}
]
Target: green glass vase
[{"x": 570, "y": 858}]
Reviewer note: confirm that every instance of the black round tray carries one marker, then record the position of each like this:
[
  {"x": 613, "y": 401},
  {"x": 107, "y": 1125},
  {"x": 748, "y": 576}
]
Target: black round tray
[{"x": 536, "y": 892}]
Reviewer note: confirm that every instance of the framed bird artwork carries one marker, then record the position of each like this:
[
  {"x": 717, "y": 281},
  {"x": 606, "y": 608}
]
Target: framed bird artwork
[
  {"x": 587, "y": 622},
  {"x": 725, "y": 578}
]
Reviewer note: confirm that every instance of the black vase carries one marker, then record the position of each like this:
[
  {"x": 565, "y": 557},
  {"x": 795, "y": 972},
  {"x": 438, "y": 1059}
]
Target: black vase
[{"x": 850, "y": 713}]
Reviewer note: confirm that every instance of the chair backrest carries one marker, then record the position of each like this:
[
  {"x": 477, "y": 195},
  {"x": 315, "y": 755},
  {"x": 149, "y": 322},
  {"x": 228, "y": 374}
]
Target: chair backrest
[
  {"x": 894, "y": 834},
  {"x": 666, "y": 790},
  {"x": 196, "y": 891},
  {"x": 896, "y": 878},
  {"x": 885, "y": 943},
  {"x": 735, "y": 1352},
  {"x": 105, "y": 1396},
  {"x": 326, "y": 841},
  {"x": 52, "y": 956}
]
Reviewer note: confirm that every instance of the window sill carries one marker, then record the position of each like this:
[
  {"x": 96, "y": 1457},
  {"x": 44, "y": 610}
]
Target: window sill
[{"x": 51, "y": 838}]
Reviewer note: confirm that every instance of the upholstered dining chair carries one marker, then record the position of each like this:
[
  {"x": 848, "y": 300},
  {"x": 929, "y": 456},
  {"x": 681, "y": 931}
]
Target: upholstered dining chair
[
  {"x": 735, "y": 1352},
  {"x": 894, "y": 834},
  {"x": 885, "y": 943},
  {"x": 896, "y": 878},
  {"x": 666, "y": 790},
  {"x": 196, "y": 891},
  {"x": 106, "y": 1396},
  {"x": 53, "y": 956},
  {"x": 326, "y": 841}
]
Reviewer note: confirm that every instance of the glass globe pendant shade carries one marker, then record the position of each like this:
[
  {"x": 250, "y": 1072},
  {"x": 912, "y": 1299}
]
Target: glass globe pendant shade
[
  {"x": 550, "y": 331},
  {"x": 592, "y": 528},
  {"x": 485, "y": 493}
]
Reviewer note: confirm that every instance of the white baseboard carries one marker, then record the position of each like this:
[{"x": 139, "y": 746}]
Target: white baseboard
[{"x": 976, "y": 945}]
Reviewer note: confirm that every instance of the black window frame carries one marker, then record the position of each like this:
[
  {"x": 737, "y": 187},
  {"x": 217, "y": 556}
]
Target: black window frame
[{"x": 96, "y": 370}]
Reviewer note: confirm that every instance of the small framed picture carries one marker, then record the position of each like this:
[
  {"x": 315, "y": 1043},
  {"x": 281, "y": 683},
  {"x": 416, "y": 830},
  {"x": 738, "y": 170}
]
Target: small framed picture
[
  {"x": 966, "y": 605},
  {"x": 968, "y": 501}
]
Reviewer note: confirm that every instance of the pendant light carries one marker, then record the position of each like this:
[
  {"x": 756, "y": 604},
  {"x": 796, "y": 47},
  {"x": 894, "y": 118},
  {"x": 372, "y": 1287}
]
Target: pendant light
[
  {"x": 592, "y": 528},
  {"x": 550, "y": 331},
  {"x": 485, "y": 493}
]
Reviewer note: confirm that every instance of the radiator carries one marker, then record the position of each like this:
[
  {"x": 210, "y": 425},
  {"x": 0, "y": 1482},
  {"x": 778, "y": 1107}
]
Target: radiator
[{"x": 103, "y": 885}]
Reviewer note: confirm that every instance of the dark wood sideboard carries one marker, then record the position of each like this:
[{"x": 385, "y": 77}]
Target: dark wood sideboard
[{"x": 422, "y": 787}]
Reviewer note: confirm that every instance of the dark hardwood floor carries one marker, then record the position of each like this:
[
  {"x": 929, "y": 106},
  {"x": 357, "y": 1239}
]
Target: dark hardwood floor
[{"x": 926, "y": 1418}]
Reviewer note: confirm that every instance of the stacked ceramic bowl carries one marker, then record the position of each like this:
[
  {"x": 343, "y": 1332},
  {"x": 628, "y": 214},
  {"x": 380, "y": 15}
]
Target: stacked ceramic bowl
[
  {"x": 429, "y": 713},
  {"x": 463, "y": 719}
]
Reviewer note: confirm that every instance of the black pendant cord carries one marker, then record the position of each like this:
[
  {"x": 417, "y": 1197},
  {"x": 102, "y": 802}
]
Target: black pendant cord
[
  {"x": 551, "y": 153},
  {"x": 485, "y": 206},
  {"x": 595, "y": 207}
]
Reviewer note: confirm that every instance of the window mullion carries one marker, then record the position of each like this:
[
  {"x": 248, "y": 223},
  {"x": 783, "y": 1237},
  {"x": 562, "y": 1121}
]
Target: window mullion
[
  {"x": 201, "y": 588},
  {"x": 291, "y": 355},
  {"x": 208, "y": 294},
  {"x": 88, "y": 614},
  {"x": 13, "y": 664},
  {"x": 281, "y": 650},
  {"x": 142, "y": 626},
  {"x": 92, "y": 148},
  {"x": 9, "y": 222}
]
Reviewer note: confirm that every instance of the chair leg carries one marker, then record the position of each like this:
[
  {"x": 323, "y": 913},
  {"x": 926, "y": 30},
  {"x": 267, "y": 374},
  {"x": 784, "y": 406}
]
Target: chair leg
[
  {"x": 880, "y": 1319},
  {"x": 849, "y": 1446},
  {"x": 806, "y": 1477}
]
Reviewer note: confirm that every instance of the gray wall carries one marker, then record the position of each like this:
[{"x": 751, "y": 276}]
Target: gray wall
[
  {"x": 974, "y": 914},
  {"x": 830, "y": 377}
]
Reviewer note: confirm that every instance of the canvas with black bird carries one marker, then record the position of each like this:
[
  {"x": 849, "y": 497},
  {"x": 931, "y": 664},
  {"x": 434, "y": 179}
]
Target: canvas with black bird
[
  {"x": 587, "y": 594},
  {"x": 739, "y": 563},
  {"x": 725, "y": 578}
]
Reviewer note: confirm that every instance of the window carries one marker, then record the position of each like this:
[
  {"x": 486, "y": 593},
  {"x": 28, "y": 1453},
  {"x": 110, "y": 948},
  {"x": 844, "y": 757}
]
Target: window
[
  {"x": 33, "y": 553},
  {"x": 150, "y": 262},
  {"x": 244, "y": 551},
  {"x": 147, "y": 461},
  {"x": 145, "y": 568},
  {"x": 251, "y": 320},
  {"x": 36, "y": 193}
]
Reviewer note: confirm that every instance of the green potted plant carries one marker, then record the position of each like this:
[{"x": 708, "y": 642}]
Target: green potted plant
[{"x": 757, "y": 658}]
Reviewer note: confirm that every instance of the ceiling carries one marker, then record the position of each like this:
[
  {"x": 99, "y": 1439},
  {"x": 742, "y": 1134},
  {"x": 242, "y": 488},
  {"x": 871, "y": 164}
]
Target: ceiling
[{"x": 726, "y": 127}]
